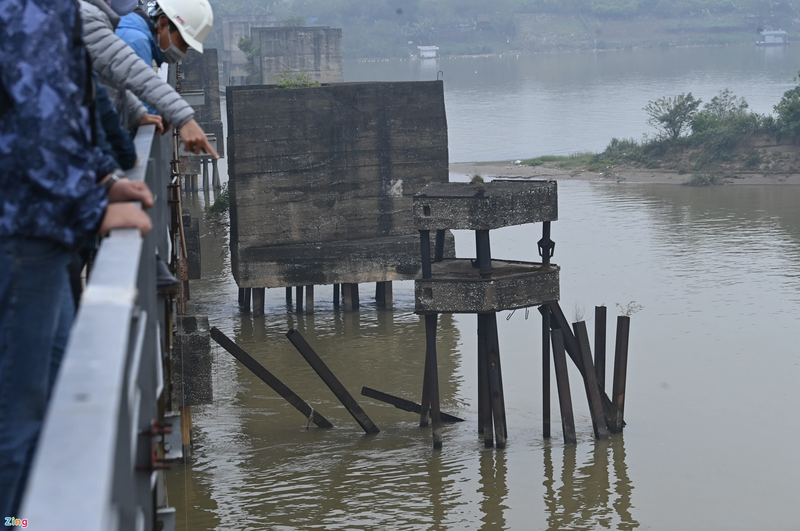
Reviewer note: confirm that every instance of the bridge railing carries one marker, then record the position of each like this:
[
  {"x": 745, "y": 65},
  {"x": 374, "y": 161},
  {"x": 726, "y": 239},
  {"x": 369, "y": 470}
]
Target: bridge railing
[{"x": 96, "y": 466}]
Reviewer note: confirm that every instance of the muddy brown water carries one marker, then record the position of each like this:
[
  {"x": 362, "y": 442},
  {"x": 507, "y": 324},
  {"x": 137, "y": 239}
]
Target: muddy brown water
[
  {"x": 712, "y": 434},
  {"x": 712, "y": 386}
]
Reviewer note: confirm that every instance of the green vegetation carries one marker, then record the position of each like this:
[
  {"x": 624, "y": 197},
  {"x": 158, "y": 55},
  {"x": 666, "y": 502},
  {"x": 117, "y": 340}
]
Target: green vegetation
[
  {"x": 716, "y": 142},
  {"x": 222, "y": 202},
  {"x": 252, "y": 52},
  {"x": 672, "y": 115},
  {"x": 580, "y": 158},
  {"x": 292, "y": 80}
]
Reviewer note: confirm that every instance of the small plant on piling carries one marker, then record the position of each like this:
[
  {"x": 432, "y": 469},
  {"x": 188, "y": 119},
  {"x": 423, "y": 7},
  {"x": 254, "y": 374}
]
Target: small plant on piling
[{"x": 629, "y": 309}]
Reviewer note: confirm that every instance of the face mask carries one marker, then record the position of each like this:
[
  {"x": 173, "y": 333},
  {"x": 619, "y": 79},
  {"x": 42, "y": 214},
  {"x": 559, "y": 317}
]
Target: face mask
[{"x": 172, "y": 54}]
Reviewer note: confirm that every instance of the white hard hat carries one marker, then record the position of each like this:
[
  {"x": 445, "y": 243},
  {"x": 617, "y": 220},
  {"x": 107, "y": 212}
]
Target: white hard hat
[{"x": 193, "y": 18}]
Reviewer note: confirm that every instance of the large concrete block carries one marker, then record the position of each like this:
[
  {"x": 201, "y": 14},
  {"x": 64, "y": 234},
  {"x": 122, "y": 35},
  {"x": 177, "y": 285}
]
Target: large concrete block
[
  {"x": 314, "y": 51},
  {"x": 191, "y": 362},
  {"x": 338, "y": 164},
  {"x": 500, "y": 203}
]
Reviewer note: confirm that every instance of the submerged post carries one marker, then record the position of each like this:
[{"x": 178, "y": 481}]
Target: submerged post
[
  {"x": 590, "y": 382},
  {"x": 546, "y": 371},
  {"x": 620, "y": 372},
  {"x": 268, "y": 378},
  {"x": 331, "y": 381},
  {"x": 562, "y": 382},
  {"x": 310, "y": 299},
  {"x": 600, "y": 313},
  {"x": 258, "y": 301}
]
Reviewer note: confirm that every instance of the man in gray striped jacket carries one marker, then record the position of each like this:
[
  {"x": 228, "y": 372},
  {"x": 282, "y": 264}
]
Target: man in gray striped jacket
[{"x": 120, "y": 68}]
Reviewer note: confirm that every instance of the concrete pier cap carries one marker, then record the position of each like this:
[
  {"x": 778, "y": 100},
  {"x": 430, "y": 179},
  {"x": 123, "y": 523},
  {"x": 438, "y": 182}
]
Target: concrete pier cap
[{"x": 456, "y": 285}]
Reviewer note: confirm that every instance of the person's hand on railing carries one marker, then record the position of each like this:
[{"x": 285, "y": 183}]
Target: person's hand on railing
[
  {"x": 127, "y": 190},
  {"x": 125, "y": 216},
  {"x": 153, "y": 119},
  {"x": 194, "y": 139}
]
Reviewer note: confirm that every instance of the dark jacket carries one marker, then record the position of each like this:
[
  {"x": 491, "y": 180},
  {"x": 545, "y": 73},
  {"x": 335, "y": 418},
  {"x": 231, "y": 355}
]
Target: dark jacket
[{"x": 48, "y": 163}]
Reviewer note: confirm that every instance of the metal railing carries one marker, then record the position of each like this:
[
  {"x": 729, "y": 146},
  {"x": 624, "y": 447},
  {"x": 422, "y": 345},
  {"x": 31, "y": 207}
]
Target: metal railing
[{"x": 97, "y": 461}]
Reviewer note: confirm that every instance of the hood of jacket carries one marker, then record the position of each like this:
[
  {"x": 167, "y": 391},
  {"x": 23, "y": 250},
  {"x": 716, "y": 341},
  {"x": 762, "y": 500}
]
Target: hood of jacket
[{"x": 107, "y": 11}]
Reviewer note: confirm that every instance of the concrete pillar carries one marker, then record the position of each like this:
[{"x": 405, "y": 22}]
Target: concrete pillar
[
  {"x": 205, "y": 174},
  {"x": 310, "y": 299},
  {"x": 215, "y": 174},
  {"x": 258, "y": 301},
  {"x": 299, "y": 298}
]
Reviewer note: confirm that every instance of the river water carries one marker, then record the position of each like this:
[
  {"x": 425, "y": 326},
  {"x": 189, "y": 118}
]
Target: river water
[{"x": 714, "y": 364}]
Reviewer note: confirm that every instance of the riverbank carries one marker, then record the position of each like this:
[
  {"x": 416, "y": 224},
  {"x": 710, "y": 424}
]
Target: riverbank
[{"x": 613, "y": 174}]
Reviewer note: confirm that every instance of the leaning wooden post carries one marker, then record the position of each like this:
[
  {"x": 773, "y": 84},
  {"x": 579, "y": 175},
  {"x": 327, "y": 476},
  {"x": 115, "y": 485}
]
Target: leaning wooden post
[
  {"x": 600, "y": 344},
  {"x": 258, "y": 301},
  {"x": 331, "y": 381},
  {"x": 590, "y": 382},
  {"x": 562, "y": 382},
  {"x": 269, "y": 379},
  {"x": 620, "y": 372},
  {"x": 546, "y": 371},
  {"x": 495, "y": 382}
]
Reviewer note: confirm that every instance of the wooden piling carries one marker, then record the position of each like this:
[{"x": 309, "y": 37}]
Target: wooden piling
[
  {"x": 438, "y": 254},
  {"x": 546, "y": 373},
  {"x": 558, "y": 321},
  {"x": 241, "y": 297},
  {"x": 298, "y": 295},
  {"x": 289, "y": 296},
  {"x": 432, "y": 377},
  {"x": 590, "y": 382},
  {"x": 402, "y": 403},
  {"x": 246, "y": 305},
  {"x": 620, "y": 372},
  {"x": 562, "y": 383},
  {"x": 347, "y": 297},
  {"x": 269, "y": 379},
  {"x": 310, "y": 299},
  {"x": 600, "y": 314},
  {"x": 215, "y": 174},
  {"x": 495, "y": 382},
  {"x": 331, "y": 381},
  {"x": 484, "y": 405},
  {"x": 258, "y": 301},
  {"x": 388, "y": 296},
  {"x": 205, "y": 174},
  {"x": 186, "y": 431},
  {"x": 336, "y": 291}
]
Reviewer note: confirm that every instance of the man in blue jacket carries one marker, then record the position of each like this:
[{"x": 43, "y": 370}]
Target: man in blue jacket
[{"x": 51, "y": 198}]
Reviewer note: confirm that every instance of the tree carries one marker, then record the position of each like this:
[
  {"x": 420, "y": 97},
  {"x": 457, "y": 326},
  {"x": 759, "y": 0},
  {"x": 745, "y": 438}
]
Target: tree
[
  {"x": 788, "y": 111},
  {"x": 672, "y": 114}
]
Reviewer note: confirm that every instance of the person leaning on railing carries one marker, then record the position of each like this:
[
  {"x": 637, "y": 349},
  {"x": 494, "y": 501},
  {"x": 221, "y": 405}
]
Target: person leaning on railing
[
  {"x": 120, "y": 68},
  {"x": 50, "y": 199}
]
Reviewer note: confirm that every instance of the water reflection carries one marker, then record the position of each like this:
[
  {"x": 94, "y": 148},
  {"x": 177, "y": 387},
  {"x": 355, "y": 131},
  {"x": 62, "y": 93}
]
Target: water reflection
[
  {"x": 494, "y": 489},
  {"x": 582, "y": 495}
]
